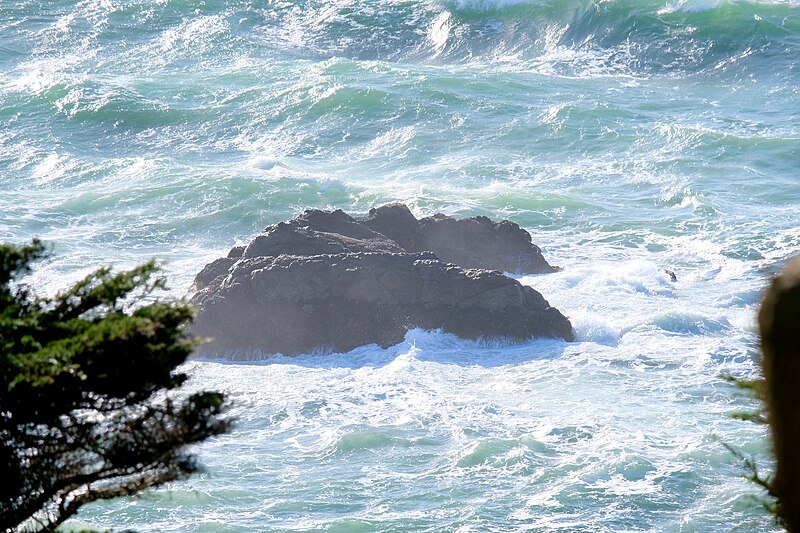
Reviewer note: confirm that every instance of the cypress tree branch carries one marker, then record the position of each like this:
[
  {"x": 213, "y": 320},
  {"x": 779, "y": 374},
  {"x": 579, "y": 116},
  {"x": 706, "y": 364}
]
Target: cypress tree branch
[{"x": 91, "y": 405}]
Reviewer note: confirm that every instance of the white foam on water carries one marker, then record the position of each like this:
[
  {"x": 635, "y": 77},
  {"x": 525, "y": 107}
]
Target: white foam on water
[
  {"x": 619, "y": 174},
  {"x": 693, "y": 6},
  {"x": 493, "y": 4},
  {"x": 265, "y": 163}
]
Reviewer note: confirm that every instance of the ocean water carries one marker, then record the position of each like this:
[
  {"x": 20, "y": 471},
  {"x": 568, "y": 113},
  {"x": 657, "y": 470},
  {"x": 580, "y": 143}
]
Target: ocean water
[{"x": 628, "y": 136}]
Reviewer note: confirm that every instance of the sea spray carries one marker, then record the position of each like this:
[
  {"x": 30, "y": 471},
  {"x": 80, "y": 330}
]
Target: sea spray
[{"x": 626, "y": 137}]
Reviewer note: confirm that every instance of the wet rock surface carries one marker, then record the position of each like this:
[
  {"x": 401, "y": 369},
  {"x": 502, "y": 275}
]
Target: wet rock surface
[{"x": 328, "y": 281}]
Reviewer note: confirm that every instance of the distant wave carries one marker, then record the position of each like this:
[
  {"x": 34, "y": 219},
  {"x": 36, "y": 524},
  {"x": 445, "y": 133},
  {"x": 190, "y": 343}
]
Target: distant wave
[
  {"x": 627, "y": 36},
  {"x": 573, "y": 37}
]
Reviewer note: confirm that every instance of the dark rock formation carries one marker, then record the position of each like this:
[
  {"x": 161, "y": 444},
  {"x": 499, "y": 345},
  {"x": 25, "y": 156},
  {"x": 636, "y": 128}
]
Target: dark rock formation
[
  {"x": 312, "y": 233},
  {"x": 475, "y": 242},
  {"x": 779, "y": 321},
  {"x": 326, "y": 280},
  {"x": 292, "y": 304}
]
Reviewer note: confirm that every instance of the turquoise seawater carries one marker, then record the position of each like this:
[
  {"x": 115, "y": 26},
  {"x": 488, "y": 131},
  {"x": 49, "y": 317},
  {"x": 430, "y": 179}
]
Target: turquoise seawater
[{"x": 628, "y": 136}]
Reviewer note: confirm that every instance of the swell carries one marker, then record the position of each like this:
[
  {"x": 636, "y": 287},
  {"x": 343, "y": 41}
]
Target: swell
[
  {"x": 584, "y": 37},
  {"x": 629, "y": 37}
]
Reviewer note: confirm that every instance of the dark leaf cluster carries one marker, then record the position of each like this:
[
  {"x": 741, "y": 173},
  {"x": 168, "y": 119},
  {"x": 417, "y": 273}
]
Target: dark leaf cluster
[{"x": 91, "y": 406}]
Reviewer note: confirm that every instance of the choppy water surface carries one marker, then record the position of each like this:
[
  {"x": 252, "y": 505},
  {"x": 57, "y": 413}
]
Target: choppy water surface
[{"x": 626, "y": 136}]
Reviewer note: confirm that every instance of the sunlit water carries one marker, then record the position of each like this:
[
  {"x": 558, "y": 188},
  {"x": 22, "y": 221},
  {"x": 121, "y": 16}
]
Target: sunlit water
[{"x": 627, "y": 136}]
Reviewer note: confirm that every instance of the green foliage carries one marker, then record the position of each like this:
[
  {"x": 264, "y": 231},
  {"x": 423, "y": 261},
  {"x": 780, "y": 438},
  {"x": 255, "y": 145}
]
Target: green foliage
[
  {"x": 91, "y": 406},
  {"x": 754, "y": 388},
  {"x": 769, "y": 502}
]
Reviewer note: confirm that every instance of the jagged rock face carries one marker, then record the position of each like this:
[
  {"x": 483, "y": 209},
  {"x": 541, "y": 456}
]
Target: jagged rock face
[
  {"x": 328, "y": 281},
  {"x": 319, "y": 232},
  {"x": 475, "y": 242},
  {"x": 292, "y": 304}
]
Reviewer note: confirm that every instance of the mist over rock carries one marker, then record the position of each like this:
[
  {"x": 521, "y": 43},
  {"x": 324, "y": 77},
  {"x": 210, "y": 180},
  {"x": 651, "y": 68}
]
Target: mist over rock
[{"x": 328, "y": 281}]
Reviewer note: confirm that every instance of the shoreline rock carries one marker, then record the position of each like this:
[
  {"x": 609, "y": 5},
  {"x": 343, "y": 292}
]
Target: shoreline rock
[
  {"x": 475, "y": 242},
  {"x": 328, "y": 281}
]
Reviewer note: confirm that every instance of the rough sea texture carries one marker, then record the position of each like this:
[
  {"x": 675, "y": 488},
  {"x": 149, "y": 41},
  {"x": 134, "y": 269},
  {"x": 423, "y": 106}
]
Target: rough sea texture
[{"x": 628, "y": 136}]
